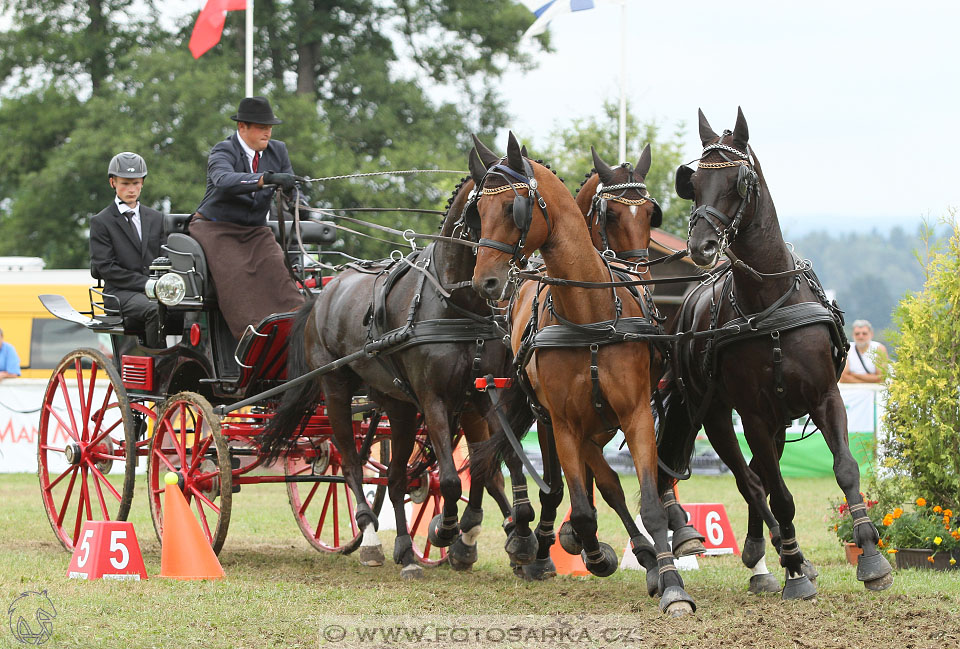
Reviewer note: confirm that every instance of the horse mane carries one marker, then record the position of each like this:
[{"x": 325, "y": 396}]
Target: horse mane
[{"x": 585, "y": 179}]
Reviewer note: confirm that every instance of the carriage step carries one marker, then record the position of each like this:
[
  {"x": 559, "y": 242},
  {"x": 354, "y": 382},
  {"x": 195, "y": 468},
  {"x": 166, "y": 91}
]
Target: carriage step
[{"x": 481, "y": 384}]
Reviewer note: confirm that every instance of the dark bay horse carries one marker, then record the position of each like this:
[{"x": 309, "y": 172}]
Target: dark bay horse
[
  {"x": 586, "y": 390},
  {"x": 429, "y": 349},
  {"x": 774, "y": 358}
]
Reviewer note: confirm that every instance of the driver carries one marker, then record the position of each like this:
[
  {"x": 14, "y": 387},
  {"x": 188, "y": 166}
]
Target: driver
[{"x": 245, "y": 260}]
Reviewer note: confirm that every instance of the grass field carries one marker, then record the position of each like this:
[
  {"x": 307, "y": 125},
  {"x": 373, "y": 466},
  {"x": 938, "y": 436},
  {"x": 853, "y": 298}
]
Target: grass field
[{"x": 279, "y": 592}]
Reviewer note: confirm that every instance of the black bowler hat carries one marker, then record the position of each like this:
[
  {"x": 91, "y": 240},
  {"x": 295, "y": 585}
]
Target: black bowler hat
[{"x": 255, "y": 110}]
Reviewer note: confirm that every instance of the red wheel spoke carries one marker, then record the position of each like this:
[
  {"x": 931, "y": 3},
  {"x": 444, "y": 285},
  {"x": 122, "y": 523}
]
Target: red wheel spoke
[
  {"x": 45, "y": 447},
  {"x": 199, "y": 453},
  {"x": 181, "y": 444},
  {"x": 164, "y": 459},
  {"x": 422, "y": 509},
  {"x": 76, "y": 529},
  {"x": 306, "y": 503},
  {"x": 203, "y": 517},
  {"x": 85, "y": 490},
  {"x": 66, "y": 499},
  {"x": 84, "y": 414},
  {"x": 336, "y": 517},
  {"x": 71, "y": 430},
  {"x": 99, "y": 474},
  {"x": 99, "y": 438},
  {"x": 206, "y": 500},
  {"x": 60, "y": 477},
  {"x": 353, "y": 521},
  {"x": 323, "y": 513},
  {"x": 96, "y": 483}
]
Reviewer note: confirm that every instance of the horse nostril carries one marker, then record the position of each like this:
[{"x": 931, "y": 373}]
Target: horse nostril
[
  {"x": 709, "y": 249},
  {"x": 491, "y": 286}
]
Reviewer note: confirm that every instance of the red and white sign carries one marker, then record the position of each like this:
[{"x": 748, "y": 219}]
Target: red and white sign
[
  {"x": 710, "y": 519},
  {"x": 107, "y": 550}
]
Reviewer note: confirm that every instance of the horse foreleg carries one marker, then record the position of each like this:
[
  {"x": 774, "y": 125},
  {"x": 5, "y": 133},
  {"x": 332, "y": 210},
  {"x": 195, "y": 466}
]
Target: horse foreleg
[
  {"x": 402, "y": 439},
  {"x": 686, "y": 539},
  {"x": 873, "y": 569},
  {"x": 444, "y": 527},
  {"x": 463, "y": 553}
]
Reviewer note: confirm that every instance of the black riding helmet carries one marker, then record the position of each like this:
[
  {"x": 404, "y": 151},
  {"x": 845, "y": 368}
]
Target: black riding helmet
[{"x": 127, "y": 165}]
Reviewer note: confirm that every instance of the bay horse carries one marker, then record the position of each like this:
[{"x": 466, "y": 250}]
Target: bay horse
[
  {"x": 776, "y": 355},
  {"x": 382, "y": 307},
  {"x": 586, "y": 391}
]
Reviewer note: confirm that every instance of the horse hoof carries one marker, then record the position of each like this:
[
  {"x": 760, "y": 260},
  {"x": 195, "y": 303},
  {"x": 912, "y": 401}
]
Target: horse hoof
[
  {"x": 522, "y": 549},
  {"x": 371, "y": 555},
  {"x": 602, "y": 566},
  {"x": 462, "y": 556},
  {"x": 515, "y": 569},
  {"x": 882, "y": 583},
  {"x": 799, "y": 588},
  {"x": 437, "y": 536},
  {"x": 687, "y": 541},
  {"x": 765, "y": 583},
  {"x": 539, "y": 570},
  {"x": 809, "y": 570},
  {"x": 676, "y": 603},
  {"x": 872, "y": 567},
  {"x": 569, "y": 540},
  {"x": 411, "y": 571}
]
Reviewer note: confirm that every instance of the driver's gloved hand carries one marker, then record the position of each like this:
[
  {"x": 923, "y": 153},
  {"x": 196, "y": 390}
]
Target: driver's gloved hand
[{"x": 282, "y": 180}]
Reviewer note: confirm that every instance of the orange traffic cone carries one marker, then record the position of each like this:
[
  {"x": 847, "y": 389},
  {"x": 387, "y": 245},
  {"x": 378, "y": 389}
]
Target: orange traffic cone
[
  {"x": 185, "y": 551},
  {"x": 567, "y": 564}
]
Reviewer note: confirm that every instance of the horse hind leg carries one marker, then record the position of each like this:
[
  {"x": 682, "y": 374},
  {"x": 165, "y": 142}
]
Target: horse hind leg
[
  {"x": 873, "y": 569},
  {"x": 542, "y": 567},
  {"x": 402, "y": 437},
  {"x": 686, "y": 540},
  {"x": 463, "y": 553}
]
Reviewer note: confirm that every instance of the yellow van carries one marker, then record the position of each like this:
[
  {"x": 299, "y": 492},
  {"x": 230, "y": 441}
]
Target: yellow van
[{"x": 40, "y": 339}]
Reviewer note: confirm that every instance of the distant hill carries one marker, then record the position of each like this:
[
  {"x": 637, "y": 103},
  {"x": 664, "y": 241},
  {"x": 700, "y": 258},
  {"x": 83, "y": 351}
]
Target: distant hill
[{"x": 869, "y": 272}]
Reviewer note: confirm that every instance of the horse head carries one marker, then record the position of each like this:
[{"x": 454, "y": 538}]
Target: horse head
[
  {"x": 725, "y": 189},
  {"x": 618, "y": 208},
  {"x": 510, "y": 213}
]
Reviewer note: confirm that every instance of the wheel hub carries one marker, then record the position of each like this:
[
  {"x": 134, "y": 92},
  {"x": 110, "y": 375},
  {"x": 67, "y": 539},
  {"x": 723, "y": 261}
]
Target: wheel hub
[
  {"x": 105, "y": 464},
  {"x": 209, "y": 487},
  {"x": 321, "y": 462},
  {"x": 420, "y": 493},
  {"x": 73, "y": 453}
]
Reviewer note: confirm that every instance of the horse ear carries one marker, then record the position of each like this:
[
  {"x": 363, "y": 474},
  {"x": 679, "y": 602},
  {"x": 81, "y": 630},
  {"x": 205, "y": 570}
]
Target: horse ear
[
  {"x": 523, "y": 151},
  {"x": 683, "y": 183},
  {"x": 487, "y": 157},
  {"x": 643, "y": 164},
  {"x": 514, "y": 157},
  {"x": 603, "y": 169},
  {"x": 740, "y": 132},
  {"x": 477, "y": 169},
  {"x": 707, "y": 134}
]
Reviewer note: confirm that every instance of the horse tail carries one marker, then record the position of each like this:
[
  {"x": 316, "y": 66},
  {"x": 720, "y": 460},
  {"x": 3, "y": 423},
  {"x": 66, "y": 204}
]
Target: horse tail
[
  {"x": 488, "y": 456},
  {"x": 676, "y": 434},
  {"x": 299, "y": 402}
]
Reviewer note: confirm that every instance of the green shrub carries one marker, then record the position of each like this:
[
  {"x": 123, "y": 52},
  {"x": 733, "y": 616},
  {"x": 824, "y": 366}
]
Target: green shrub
[{"x": 923, "y": 408}]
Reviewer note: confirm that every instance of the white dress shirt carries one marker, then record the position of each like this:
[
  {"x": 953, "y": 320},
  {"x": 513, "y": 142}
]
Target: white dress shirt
[{"x": 124, "y": 208}]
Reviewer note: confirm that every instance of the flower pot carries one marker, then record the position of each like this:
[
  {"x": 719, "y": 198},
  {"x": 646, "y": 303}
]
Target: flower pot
[
  {"x": 853, "y": 553},
  {"x": 920, "y": 558}
]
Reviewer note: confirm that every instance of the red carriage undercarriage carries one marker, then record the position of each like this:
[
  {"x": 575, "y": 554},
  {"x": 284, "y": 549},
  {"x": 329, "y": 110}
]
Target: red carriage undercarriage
[{"x": 104, "y": 411}]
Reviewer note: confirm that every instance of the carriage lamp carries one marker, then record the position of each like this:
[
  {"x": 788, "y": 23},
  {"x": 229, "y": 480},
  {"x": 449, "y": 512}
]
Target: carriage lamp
[
  {"x": 158, "y": 267},
  {"x": 170, "y": 289}
]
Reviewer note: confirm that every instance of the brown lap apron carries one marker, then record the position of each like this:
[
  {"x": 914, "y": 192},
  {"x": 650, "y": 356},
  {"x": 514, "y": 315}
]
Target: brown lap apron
[{"x": 248, "y": 270}]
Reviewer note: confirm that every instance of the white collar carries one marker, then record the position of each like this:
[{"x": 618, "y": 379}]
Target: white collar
[
  {"x": 123, "y": 207},
  {"x": 246, "y": 149}
]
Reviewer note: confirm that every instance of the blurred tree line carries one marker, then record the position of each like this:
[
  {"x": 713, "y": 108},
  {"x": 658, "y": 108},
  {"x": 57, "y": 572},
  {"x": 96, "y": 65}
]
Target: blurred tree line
[{"x": 355, "y": 82}]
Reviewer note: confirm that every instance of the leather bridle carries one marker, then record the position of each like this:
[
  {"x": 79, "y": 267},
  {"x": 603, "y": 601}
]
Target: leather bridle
[
  {"x": 748, "y": 186},
  {"x": 598, "y": 207}
]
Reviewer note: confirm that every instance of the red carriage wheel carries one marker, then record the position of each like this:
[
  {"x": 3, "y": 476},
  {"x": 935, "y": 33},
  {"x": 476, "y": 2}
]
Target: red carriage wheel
[
  {"x": 325, "y": 511},
  {"x": 187, "y": 441},
  {"x": 86, "y": 430}
]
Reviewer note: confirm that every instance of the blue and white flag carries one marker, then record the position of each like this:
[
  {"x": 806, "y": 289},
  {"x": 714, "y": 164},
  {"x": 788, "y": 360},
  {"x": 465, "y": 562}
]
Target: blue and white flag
[{"x": 546, "y": 10}]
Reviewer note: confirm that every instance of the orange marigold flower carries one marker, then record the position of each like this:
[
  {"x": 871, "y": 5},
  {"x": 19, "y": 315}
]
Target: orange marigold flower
[
  {"x": 888, "y": 520},
  {"x": 898, "y": 512},
  {"x": 930, "y": 558},
  {"x": 921, "y": 502},
  {"x": 880, "y": 543},
  {"x": 892, "y": 551},
  {"x": 937, "y": 509},
  {"x": 948, "y": 512}
]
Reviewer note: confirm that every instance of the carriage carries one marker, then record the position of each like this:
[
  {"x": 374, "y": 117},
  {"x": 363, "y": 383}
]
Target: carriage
[{"x": 109, "y": 414}]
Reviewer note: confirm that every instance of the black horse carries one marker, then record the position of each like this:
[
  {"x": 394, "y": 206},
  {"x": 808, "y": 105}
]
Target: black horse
[
  {"x": 762, "y": 339},
  {"x": 425, "y": 351}
]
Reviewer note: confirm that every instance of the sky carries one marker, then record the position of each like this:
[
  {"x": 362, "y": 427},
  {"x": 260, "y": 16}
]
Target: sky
[{"x": 851, "y": 105}]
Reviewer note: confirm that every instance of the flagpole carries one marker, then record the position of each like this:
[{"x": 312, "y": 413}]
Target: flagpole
[
  {"x": 248, "y": 68},
  {"x": 623, "y": 81}
]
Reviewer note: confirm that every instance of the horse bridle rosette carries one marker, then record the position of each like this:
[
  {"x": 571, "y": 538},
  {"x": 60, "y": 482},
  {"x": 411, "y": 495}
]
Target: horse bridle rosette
[{"x": 748, "y": 185}]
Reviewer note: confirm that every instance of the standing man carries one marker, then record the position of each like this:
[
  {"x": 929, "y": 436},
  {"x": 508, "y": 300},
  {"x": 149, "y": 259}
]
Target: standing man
[
  {"x": 245, "y": 260},
  {"x": 9, "y": 361},
  {"x": 863, "y": 355},
  {"x": 124, "y": 239}
]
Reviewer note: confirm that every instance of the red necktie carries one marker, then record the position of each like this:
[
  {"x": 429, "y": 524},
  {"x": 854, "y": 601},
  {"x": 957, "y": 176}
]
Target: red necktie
[{"x": 256, "y": 161}]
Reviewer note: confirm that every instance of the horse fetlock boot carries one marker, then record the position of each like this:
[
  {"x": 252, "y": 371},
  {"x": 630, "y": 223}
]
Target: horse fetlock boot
[
  {"x": 754, "y": 549},
  {"x": 521, "y": 549},
  {"x": 569, "y": 540},
  {"x": 653, "y": 583},
  {"x": 441, "y": 532},
  {"x": 472, "y": 518},
  {"x": 676, "y": 603},
  {"x": 462, "y": 556},
  {"x": 403, "y": 554},
  {"x": 365, "y": 516},
  {"x": 509, "y": 525},
  {"x": 764, "y": 583},
  {"x": 687, "y": 541},
  {"x": 799, "y": 588},
  {"x": 602, "y": 562},
  {"x": 874, "y": 571},
  {"x": 539, "y": 570}
]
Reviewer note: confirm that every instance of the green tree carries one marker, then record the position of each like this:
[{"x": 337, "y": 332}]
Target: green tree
[
  {"x": 923, "y": 415},
  {"x": 568, "y": 151}
]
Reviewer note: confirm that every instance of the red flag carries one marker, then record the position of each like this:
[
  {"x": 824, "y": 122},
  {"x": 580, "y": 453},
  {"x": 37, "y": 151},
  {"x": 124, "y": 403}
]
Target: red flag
[{"x": 209, "y": 25}]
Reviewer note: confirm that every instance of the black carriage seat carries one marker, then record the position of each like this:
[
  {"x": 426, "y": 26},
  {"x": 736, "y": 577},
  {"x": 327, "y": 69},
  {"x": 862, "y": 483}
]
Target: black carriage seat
[
  {"x": 310, "y": 231},
  {"x": 187, "y": 259},
  {"x": 262, "y": 351}
]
